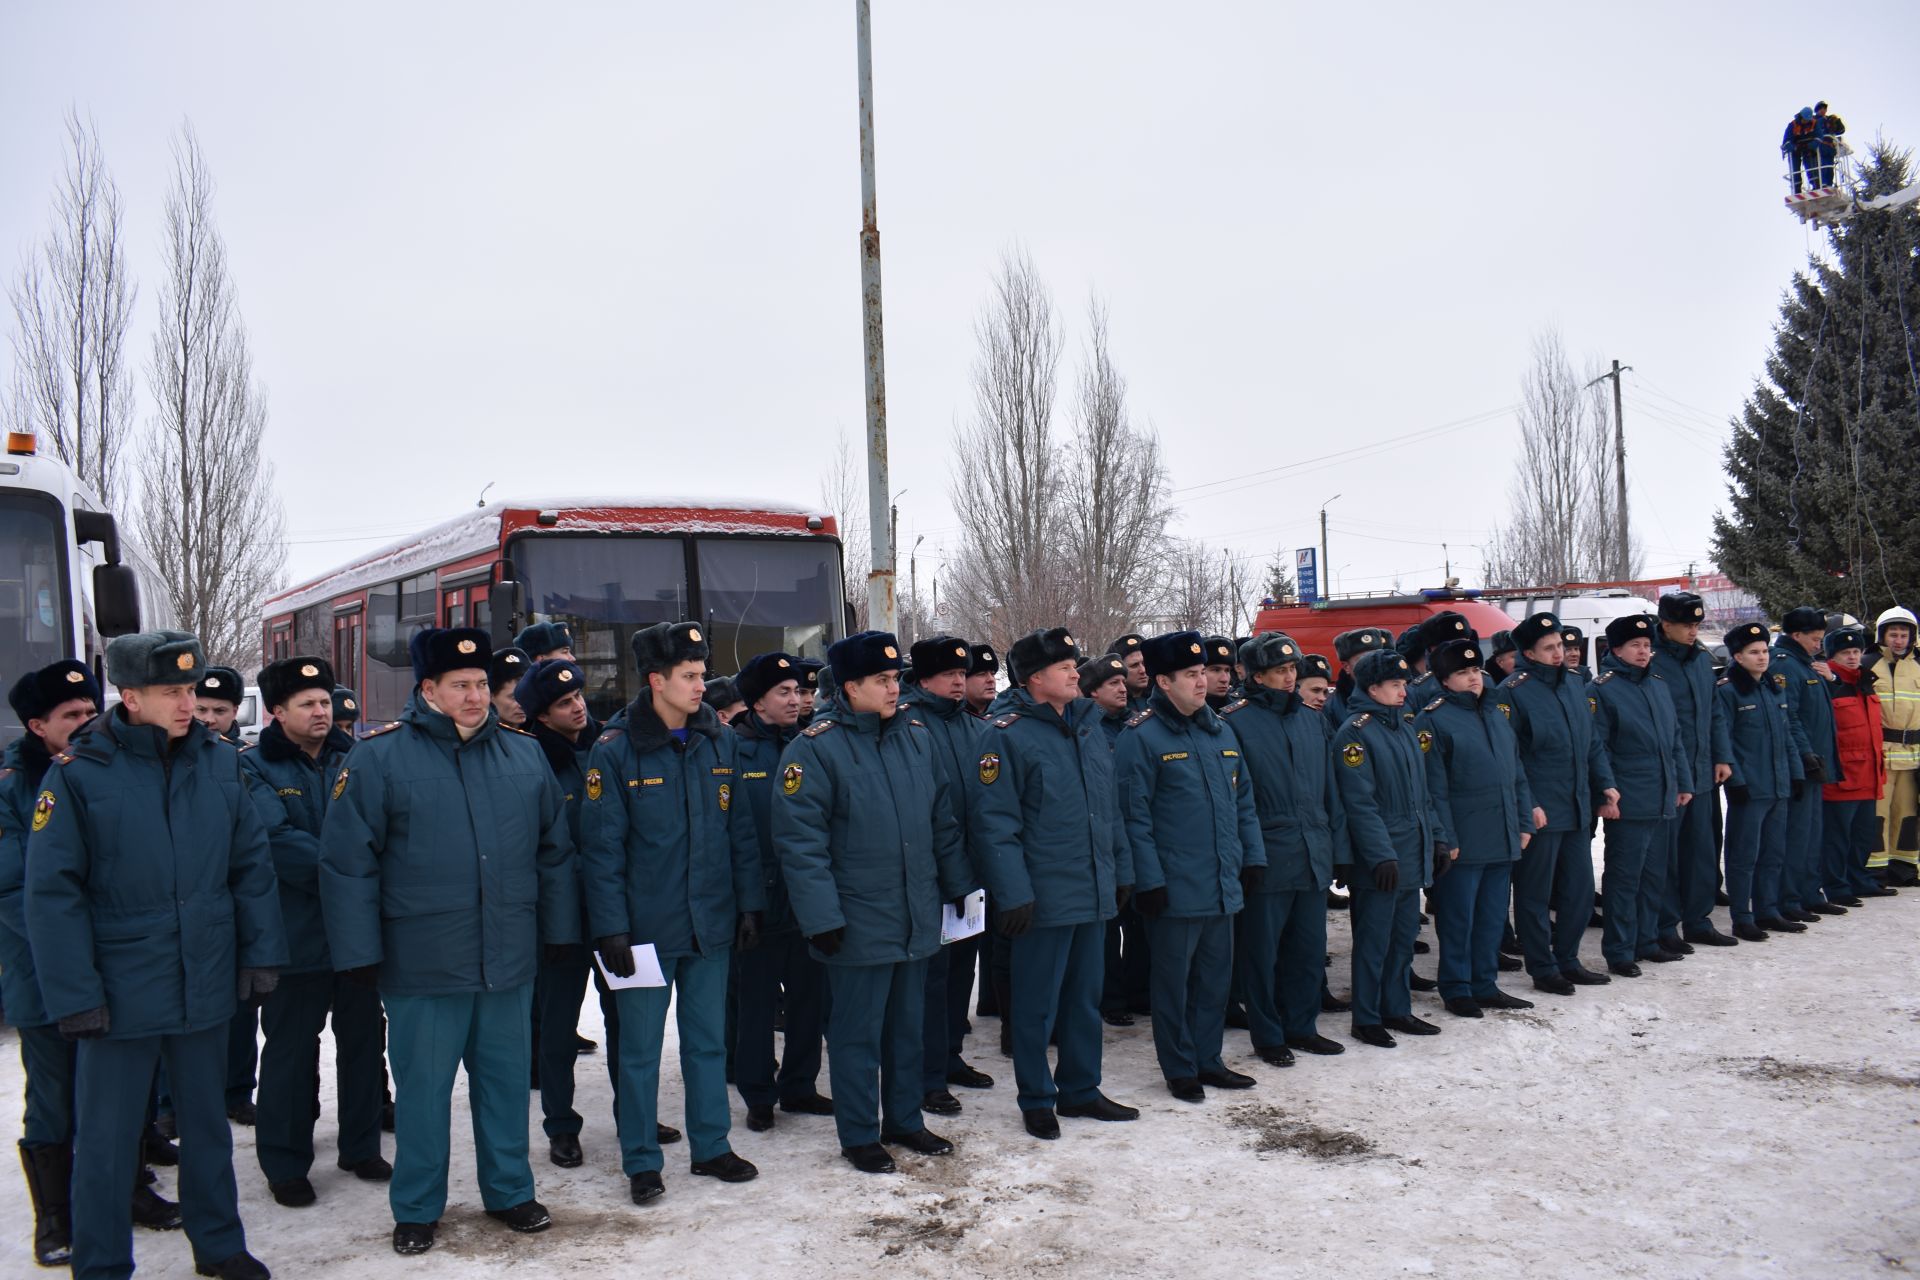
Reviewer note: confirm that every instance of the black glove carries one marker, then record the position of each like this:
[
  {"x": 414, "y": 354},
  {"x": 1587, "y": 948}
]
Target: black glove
[
  {"x": 1251, "y": 878},
  {"x": 1150, "y": 902},
  {"x": 367, "y": 975},
  {"x": 1442, "y": 859},
  {"x": 1122, "y": 893},
  {"x": 84, "y": 1026},
  {"x": 1386, "y": 876},
  {"x": 1015, "y": 921},
  {"x": 1816, "y": 768},
  {"x": 257, "y": 984},
  {"x": 1737, "y": 791},
  {"x": 747, "y": 935},
  {"x": 1794, "y": 788},
  {"x": 828, "y": 943},
  {"x": 959, "y": 904},
  {"x": 616, "y": 953}
]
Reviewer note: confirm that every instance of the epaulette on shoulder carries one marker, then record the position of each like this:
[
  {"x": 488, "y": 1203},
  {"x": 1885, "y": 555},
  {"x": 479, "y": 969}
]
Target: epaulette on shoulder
[
  {"x": 1519, "y": 677},
  {"x": 388, "y": 727},
  {"x": 1431, "y": 705},
  {"x": 1140, "y": 717},
  {"x": 1360, "y": 720},
  {"x": 248, "y": 746},
  {"x": 514, "y": 728},
  {"x": 817, "y": 728},
  {"x": 1603, "y": 677},
  {"x": 611, "y": 735},
  {"x": 65, "y": 757},
  {"x": 1233, "y": 706},
  {"x": 1007, "y": 719},
  {"x": 5, "y": 774},
  {"x": 1722, "y": 680}
]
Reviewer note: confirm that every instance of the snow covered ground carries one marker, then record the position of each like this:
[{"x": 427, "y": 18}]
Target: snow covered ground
[{"x": 1753, "y": 1111}]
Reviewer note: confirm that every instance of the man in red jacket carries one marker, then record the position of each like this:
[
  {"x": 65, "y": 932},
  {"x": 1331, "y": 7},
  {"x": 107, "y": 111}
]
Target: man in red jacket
[{"x": 1850, "y": 823}]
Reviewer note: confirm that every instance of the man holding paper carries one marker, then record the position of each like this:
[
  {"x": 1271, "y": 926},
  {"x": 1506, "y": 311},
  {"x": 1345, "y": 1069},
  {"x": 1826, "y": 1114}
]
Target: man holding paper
[
  {"x": 669, "y": 863},
  {"x": 864, "y": 824},
  {"x": 1046, "y": 834},
  {"x": 444, "y": 865}
]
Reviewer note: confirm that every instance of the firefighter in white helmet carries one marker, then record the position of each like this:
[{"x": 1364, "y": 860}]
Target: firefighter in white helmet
[{"x": 1897, "y": 673}]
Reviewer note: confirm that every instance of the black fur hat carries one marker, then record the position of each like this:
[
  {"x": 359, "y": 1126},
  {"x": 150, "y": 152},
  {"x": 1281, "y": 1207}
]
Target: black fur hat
[
  {"x": 1446, "y": 625},
  {"x": 983, "y": 659},
  {"x": 346, "y": 707},
  {"x": 1379, "y": 667},
  {"x": 1803, "y": 619},
  {"x": 1349, "y": 645},
  {"x": 1099, "y": 669},
  {"x": 155, "y": 657},
  {"x": 666, "y": 645},
  {"x": 548, "y": 682},
  {"x": 863, "y": 654},
  {"x": 1682, "y": 607},
  {"x": 279, "y": 681},
  {"x": 1038, "y": 649},
  {"x": 438, "y": 650},
  {"x": 35, "y": 694},
  {"x": 1131, "y": 642},
  {"x": 1275, "y": 649},
  {"x": 544, "y": 637},
  {"x": 223, "y": 683},
  {"x": 1175, "y": 651},
  {"x": 1220, "y": 650},
  {"x": 762, "y": 673},
  {"x": 939, "y": 655},
  {"x": 1450, "y": 656},
  {"x": 1738, "y": 638},
  {"x": 508, "y": 667},
  {"x": 1312, "y": 664},
  {"x": 1632, "y": 626},
  {"x": 1534, "y": 628}
]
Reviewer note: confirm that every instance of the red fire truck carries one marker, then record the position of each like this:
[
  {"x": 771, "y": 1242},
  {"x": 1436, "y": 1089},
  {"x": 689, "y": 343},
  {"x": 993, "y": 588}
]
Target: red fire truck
[
  {"x": 758, "y": 576},
  {"x": 1313, "y": 626}
]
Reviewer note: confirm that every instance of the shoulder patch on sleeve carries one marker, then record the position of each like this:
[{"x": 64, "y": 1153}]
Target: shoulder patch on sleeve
[
  {"x": 1140, "y": 717},
  {"x": 1007, "y": 719},
  {"x": 1353, "y": 755},
  {"x": 817, "y": 728}
]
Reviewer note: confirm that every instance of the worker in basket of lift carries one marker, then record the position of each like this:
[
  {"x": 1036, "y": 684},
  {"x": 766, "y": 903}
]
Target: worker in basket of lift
[
  {"x": 1798, "y": 146},
  {"x": 1826, "y": 128}
]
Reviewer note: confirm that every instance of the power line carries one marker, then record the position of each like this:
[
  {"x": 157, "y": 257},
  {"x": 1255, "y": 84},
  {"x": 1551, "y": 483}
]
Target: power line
[{"x": 1248, "y": 479}]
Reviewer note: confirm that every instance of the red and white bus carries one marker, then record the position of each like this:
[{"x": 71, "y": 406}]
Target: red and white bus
[{"x": 757, "y": 576}]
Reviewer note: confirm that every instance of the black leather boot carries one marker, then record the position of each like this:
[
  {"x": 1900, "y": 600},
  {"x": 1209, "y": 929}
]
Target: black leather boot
[{"x": 49, "y": 1175}]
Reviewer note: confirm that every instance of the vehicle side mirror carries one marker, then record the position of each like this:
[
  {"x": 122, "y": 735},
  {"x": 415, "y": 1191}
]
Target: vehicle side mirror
[
  {"x": 98, "y": 526},
  {"x": 116, "y": 600},
  {"x": 506, "y": 601}
]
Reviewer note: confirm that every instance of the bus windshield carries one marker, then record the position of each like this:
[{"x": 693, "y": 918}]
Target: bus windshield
[
  {"x": 754, "y": 595},
  {"x": 758, "y": 596},
  {"x": 34, "y": 606}
]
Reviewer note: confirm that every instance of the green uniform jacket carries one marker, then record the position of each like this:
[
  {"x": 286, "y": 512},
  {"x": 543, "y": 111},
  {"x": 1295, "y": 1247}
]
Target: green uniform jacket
[
  {"x": 667, "y": 855},
  {"x": 1480, "y": 793},
  {"x": 868, "y": 843},
  {"x": 1753, "y": 717},
  {"x": 1383, "y": 786},
  {"x": 446, "y": 863},
  {"x": 1187, "y": 801},
  {"x": 290, "y": 789},
  {"x": 1046, "y": 824},
  {"x": 22, "y": 766},
  {"x": 1652, "y": 763},
  {"x": 1302, "y": 822},
  {"x": 149, "y": 880},
  {"x": 758, "y": 762}
]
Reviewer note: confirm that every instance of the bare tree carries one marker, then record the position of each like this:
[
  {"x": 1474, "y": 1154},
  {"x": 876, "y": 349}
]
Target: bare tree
[
  {"x": 1012, "y": 573},
  {"x": 1205, "y": 589},
  {"x": 208, "y": 513},
  {"x": 843, "y": 492},
  {"x": 1116, "y": 496},
  {"x": 1565, "y": 517},
  {"x": 71, "y": 304}
]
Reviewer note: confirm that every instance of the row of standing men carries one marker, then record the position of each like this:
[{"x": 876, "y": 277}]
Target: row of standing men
[{"x": 809, "y": 864}]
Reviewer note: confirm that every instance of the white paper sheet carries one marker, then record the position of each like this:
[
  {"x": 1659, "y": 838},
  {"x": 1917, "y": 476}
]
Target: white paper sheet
[
  {"x": 955, "y": 926},
  {"x": 646, "y": 969}
]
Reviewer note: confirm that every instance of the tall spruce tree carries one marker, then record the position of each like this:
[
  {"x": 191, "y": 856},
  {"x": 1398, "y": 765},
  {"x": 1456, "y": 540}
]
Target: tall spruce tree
[{"x": 1823, "y": 471}]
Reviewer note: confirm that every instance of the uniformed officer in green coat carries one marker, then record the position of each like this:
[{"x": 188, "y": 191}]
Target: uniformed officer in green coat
[
  {"x": 869, "y": 850},
  {"x": 1046, "y": 835},
  {"x": 152, "y": 912},
  {"x": 291, "y": 773},
  {"x": 669, "y": 862},
  {"x": 444, "y": 865},
  {"x": 1194, "y": 835},
  {"x": 1393, "y": 832}
]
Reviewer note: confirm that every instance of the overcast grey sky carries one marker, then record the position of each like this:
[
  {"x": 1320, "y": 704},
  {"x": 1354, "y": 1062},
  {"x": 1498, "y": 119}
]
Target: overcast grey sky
[{"x": 573, "y": 247}]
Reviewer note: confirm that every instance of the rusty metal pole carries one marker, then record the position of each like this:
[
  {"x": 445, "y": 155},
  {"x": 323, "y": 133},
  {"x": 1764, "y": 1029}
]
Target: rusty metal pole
[{"x": 881, "y": 612}]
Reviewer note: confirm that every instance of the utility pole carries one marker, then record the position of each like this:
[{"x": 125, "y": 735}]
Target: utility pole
[
  {"x": 1622, "y": 553},
  {"x": 882, "y": 613},
  {"x": 1323, "y": 544},
  {"x": 913, "y": 573}
]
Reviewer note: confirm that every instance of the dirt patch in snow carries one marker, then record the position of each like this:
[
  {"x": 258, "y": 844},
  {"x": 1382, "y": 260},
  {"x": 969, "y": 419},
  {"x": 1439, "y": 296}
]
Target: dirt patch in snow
[
  {"x": 1274, "y": 1130},
  {"x": 933, "y": 1222},
  {"x": 1819, "y": 1074}
]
